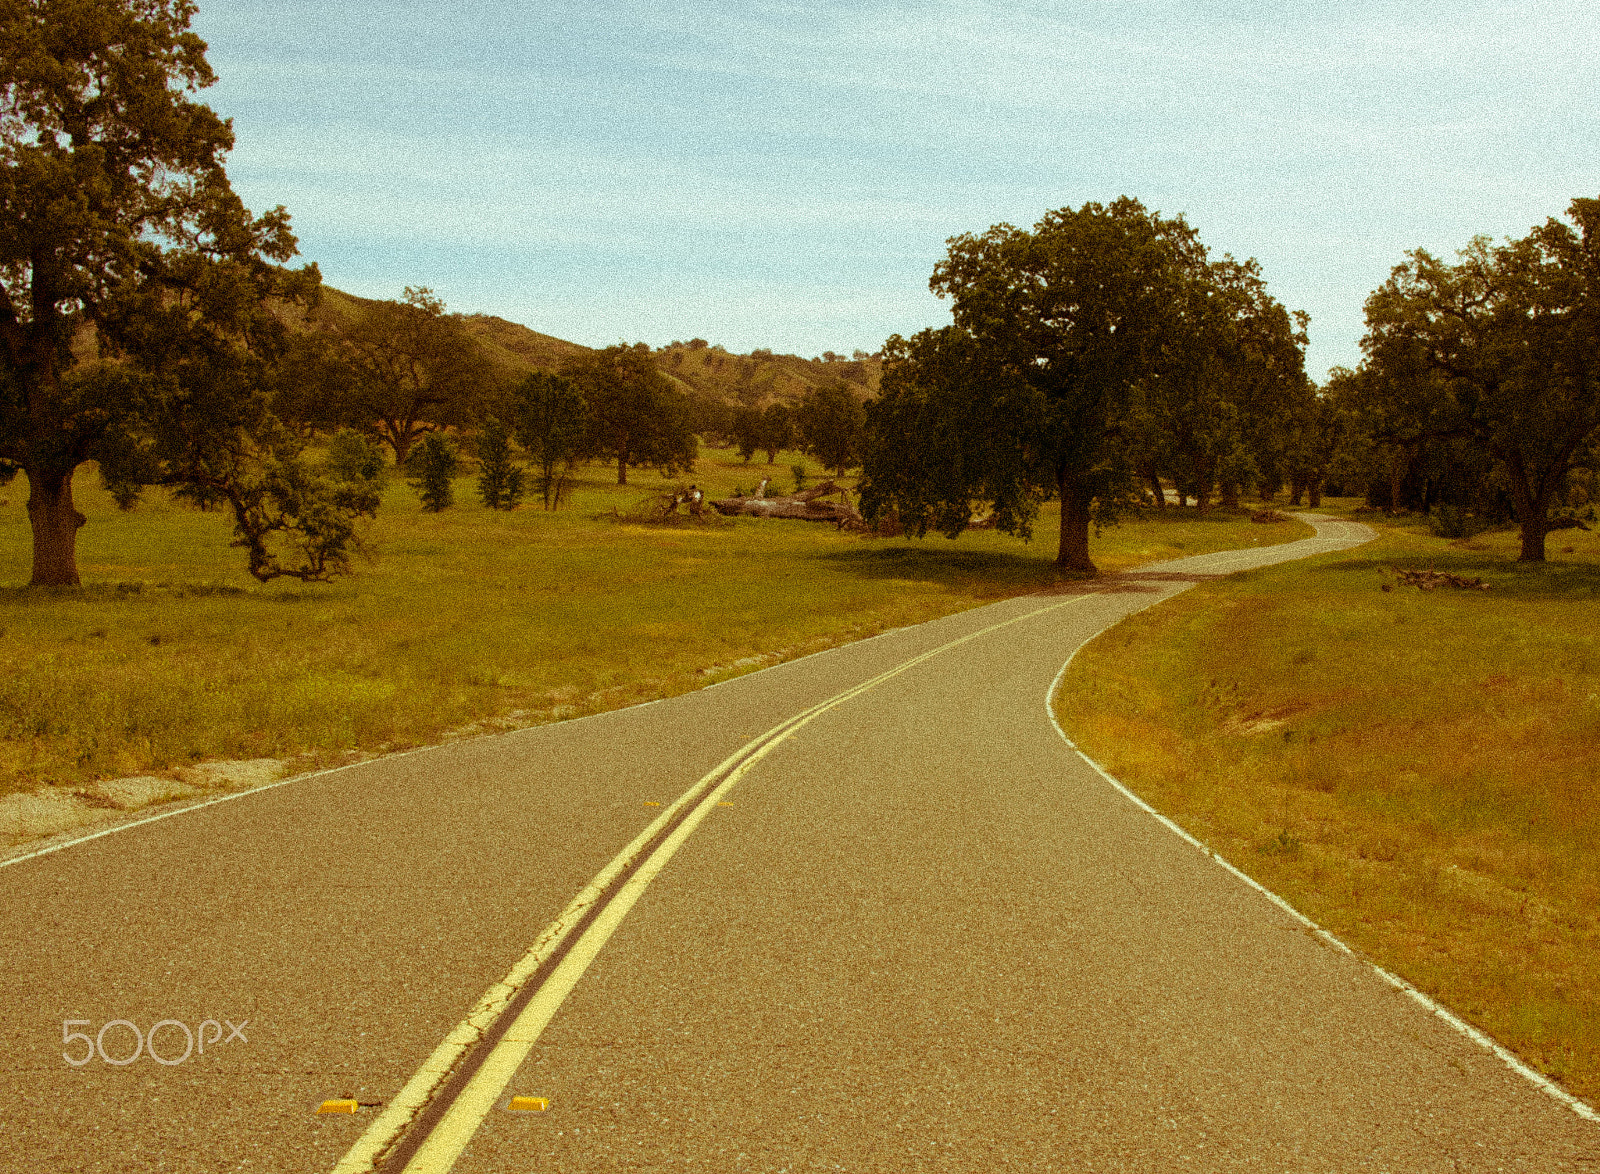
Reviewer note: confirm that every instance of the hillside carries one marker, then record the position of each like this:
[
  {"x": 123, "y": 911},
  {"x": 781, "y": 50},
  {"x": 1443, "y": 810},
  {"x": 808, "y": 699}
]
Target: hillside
[
  {"x": 760, "y": 377},
  {"x": 704, "y": 371}
]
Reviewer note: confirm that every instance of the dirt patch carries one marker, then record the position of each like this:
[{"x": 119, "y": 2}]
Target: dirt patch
[
  {"x": 1265, "y": 721},
  {"x": 48, "y": 811},
  {"x": 131, "y": 794}
]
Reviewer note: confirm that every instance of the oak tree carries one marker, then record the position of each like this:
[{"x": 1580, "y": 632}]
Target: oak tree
[
  {"x": 635, "y": 417},
  {"x": 1509, "y": 338},
  {"x": 412, "y": 368},
  {"x": 828, "y": 421},
  {"x": 1061, "y": 324},
  {"x": 134, "y": 288}
]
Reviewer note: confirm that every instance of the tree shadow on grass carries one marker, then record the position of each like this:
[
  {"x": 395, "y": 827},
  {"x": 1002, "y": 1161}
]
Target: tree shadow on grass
[
  {"x": 135, "y": 591},
  {"x": 987, "y": 574},
  {"x": 1569, "y": 580},
  {"x": 982, "y": 572}
]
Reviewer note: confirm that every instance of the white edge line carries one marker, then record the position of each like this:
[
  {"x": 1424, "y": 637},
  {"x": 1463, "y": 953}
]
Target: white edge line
[
  {"x": 1507, "y": 1057},
  {"x": 185, "y": 808}
]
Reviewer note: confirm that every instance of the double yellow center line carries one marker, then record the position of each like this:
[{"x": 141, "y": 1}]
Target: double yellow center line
[{"x": 426, "y": 1126}]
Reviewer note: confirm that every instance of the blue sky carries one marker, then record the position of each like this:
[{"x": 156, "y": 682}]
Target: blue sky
[{"x": 786, "y": 175}]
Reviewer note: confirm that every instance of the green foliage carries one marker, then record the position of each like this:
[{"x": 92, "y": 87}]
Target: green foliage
[
  {"x": 777, "y": 430},
  {"x": 1502, "y": 349},
  {"x": 499, "y": 478},
  {"x": 353, "y": 457},
  {"x": 434, "y": 463},
  {"x": 1451, "y": 521},
  {"x": 1228, "y": 388},
  {"x": 1082, "y": 353},
  {"x": 746, "y": 430},
  {"x": 1079, "y": 309},
  {"x": 635, "y": 417},
  {"x": 551, "y": 424},
  {"x": 134, "y": 321},
  {"x": 829, "y": 422},
  {"x": 402, "y": 368},
  {"x": 953, "y": 426},
  {"x": 799, "y": 472}
]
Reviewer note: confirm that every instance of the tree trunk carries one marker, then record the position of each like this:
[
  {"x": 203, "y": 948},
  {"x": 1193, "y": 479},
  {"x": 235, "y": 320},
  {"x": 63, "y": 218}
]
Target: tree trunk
[
  {"x": 402, "y": 436},
  {"x": 55, "y": 528},
  {"x": 1155, "y": 487},
  {"x": 1230, "y": 495},
  {"x": 622, "y": 466},
  {"x": 1314, "y": 492},
  {"x": 1530, "y": 501},
  {"x": 1073, "y": 553},
  {"x": 1397, "y": 473}
]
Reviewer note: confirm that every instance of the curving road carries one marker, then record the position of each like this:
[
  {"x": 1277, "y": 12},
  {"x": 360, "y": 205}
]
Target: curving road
[{"x": 911, "y": 930}]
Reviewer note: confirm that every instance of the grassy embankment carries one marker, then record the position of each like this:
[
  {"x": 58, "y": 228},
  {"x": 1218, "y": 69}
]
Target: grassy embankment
[
  {"x": 171, "y": 654},
  {"x": 1416, "y": 771}
]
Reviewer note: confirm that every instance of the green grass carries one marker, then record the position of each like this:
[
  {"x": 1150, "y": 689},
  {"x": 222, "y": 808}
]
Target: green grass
[
  {"x": 171, "y": 654},
  {"x": 1416, "y": 771}
]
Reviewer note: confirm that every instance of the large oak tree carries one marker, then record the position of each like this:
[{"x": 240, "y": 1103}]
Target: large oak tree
[
  {"x": 133, "y": 287},
  {"x": 1078, "y": 309},
  {"x": 1504, "y": 347},
  {"x": 1063, "y": 323}
]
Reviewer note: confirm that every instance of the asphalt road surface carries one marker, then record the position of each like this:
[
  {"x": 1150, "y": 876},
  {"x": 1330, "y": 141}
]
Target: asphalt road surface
[{"x": 911, "y": 931}]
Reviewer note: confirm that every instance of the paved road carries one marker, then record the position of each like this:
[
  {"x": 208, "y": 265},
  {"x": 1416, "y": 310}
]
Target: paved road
[{"x": 922, "y": 934}]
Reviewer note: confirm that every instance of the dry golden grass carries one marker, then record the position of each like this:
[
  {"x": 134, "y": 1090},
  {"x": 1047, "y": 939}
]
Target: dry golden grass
[
  {"x": 1418, "y": 771},
  {"x": 170, "y": 654}
]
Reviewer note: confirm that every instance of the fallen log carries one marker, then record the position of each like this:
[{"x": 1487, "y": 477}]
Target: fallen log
[
  {"x": 816, "y": 491},
  {"x": 806, "y": 507}
]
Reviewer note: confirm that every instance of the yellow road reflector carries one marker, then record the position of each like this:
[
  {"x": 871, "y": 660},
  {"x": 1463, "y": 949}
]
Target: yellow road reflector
[
  {"x": 647, "y": 803},
  {"x": 338, "y": 1106},
  {"x": 724, "y": 804},
  {"x": 529, "y": 1104}
]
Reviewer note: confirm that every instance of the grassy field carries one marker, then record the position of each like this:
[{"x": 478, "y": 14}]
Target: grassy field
[
  {"x": 1418, "y": 771},
  {"x": 170, "y": 654}
]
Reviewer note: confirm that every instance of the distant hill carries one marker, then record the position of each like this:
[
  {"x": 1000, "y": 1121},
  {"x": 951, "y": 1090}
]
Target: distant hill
[
  {"x": 702, "y": 370},
  {"x": 760, "y": 377},
  {"x": 516, "y": 345}
]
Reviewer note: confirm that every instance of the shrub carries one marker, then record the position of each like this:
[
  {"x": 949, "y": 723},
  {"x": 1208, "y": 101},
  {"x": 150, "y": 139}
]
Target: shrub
[
  {"x": 354, "y": 458},
  {"x": 434, "y": 462},
  {"x": 1450, "y": 521},
  {"x": 499, "y": 480}
]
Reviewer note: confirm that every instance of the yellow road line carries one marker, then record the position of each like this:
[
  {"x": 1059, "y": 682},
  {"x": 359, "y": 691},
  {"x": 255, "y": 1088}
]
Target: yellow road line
[{"x": 444, "y": 1144}]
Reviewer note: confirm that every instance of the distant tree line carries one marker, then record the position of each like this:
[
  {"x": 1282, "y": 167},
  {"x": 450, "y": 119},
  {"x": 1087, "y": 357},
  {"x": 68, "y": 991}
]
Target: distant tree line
[
  {"x": 1103, "y": 356},
  {"x": 151, "y": 324},
  {"x": 1479, "y": 396}
]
